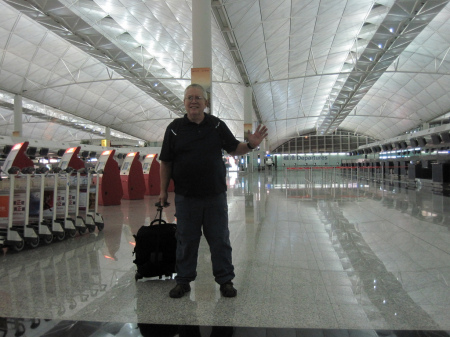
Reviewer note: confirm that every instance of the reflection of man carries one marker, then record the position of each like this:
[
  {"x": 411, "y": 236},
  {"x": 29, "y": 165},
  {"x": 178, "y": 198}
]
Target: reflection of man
[{"x": 192, "y": 155}]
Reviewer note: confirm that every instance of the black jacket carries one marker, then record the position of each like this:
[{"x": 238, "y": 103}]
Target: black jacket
[{"x": 195, "y": 151}]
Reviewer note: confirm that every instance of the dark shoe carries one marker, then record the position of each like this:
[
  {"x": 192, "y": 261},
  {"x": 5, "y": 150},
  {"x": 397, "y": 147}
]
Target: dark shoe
[
  {"x": 228, "y": 290},
  {"x": 179, "y": 290}
]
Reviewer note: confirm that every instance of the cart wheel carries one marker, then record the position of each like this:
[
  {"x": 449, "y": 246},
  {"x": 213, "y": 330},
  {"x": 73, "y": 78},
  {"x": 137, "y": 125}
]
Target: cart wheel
[
  {"x": 100, "y": 225},
  {"x": 91, "y": 228},
  {"x": 20, "y": 330},
  {"x": 36, "y": 323},
  {"x": 48, "y": 239},
  {"x": 34, "y": 242},
  {"x": 82, "y": 230},
  {"x": 18, "y": 246},
  {"x": 60, "y": 236},
  {"x": 71, "y": 233},
  {"x": 137, "y": 276}
]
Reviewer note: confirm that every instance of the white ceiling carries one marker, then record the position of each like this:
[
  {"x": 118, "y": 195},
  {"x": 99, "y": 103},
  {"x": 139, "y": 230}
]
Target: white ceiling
[{"x": 125, "y": 63}]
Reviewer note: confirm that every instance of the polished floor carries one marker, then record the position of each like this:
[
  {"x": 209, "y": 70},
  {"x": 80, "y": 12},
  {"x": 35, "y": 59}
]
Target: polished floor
[{"x": 314, "y": 255}]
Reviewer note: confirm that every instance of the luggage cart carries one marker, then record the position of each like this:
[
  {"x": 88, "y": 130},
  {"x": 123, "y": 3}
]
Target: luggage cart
[
  {"x": 10, "y": 235},
  {"x": 60, "y": 225},
  {"x": 93, "y": 218},
  {"x": 74, "y": 167},
  {"x": 80, "y": 223},
  {"x": 30, "y": 233},
  {"x": 83, "y": 199},
  {"x": 19, "y": 183},
  {"x": 18, "y": 205},
  {"x": 45, "y": 226},
  {"x": 34, "y": 201},
  {"x": 47, "y": 207},
  {"x": 68, "y": 203}
]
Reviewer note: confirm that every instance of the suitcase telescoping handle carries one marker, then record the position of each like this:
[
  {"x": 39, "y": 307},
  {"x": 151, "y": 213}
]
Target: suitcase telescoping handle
[
  {"x": 158, "y": 204},
  {"x": 159, "y": 209}
]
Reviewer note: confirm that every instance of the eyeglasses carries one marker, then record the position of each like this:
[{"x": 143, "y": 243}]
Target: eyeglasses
[{"x": 191, "y": 98}]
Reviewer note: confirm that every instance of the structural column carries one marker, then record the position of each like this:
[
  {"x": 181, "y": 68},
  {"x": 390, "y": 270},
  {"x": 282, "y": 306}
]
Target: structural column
[
  {"x": 202, "y": 64},
  {"x": 202, "y": 45},
  {"x": 107, "y": 141},
  {"x": 17, "y": 116}
]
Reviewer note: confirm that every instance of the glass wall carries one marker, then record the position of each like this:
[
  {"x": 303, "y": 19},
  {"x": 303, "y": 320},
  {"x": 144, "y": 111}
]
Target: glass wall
[{"x": 312, "y": 143}]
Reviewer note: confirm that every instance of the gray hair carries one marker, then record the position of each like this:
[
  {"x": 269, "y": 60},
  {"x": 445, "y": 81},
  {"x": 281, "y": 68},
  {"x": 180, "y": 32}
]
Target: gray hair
[{"x": 197, "y": 86}]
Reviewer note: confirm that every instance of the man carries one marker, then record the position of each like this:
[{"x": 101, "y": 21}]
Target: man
[{"x": 192, "y": 155}]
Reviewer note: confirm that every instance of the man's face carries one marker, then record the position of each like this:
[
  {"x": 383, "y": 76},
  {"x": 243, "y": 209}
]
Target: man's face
[{"x": 195, "y": 104}]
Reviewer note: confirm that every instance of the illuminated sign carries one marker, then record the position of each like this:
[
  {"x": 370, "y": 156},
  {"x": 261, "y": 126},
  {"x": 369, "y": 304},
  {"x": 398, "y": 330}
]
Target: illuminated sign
[
  {"x": 307, "y": 157},
  {"x": 132, "y": 154},
  {"x": 106, "y": 142},
  {"x": 150, "y": 156},
  {"x": 71, "y": 150},
  {"x": 104, "y": 153},
  {"x": 17, "y": 146}
]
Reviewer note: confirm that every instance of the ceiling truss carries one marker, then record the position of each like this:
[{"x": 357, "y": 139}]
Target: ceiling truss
[{"x": 401, "y": 25}]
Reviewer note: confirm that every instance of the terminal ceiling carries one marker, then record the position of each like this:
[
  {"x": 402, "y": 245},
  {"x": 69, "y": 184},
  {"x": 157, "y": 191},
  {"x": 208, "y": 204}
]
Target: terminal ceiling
[{"x": 376, "y": 68}]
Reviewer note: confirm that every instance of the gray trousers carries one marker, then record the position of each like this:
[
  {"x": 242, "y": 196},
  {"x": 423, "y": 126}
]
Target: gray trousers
[{"x": 211, "y": 213}]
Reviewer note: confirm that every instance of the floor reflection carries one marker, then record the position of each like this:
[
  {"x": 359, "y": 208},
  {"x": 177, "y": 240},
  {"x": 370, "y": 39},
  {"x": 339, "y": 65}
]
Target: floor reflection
[{"x": 311, "y": 250}]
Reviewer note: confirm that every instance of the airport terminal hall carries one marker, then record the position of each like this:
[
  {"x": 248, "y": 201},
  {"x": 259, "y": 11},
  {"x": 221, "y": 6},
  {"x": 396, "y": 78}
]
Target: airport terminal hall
[{"x": 225, "y": 168}]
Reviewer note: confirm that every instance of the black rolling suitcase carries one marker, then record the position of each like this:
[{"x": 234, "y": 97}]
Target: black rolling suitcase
[{"x": 155, "y": 250}]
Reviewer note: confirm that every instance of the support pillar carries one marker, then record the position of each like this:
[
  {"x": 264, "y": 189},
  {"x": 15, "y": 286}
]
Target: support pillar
[
  {"x": 17, "y": 116},
  {"x": 202, "y": 64},
  {"x": 201, "y": 73},
  {"x": 107, "y": 141}
]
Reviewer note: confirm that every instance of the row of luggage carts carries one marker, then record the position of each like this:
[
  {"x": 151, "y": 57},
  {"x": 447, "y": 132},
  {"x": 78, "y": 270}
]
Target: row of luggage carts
[{"x": 41, "y": 205}]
